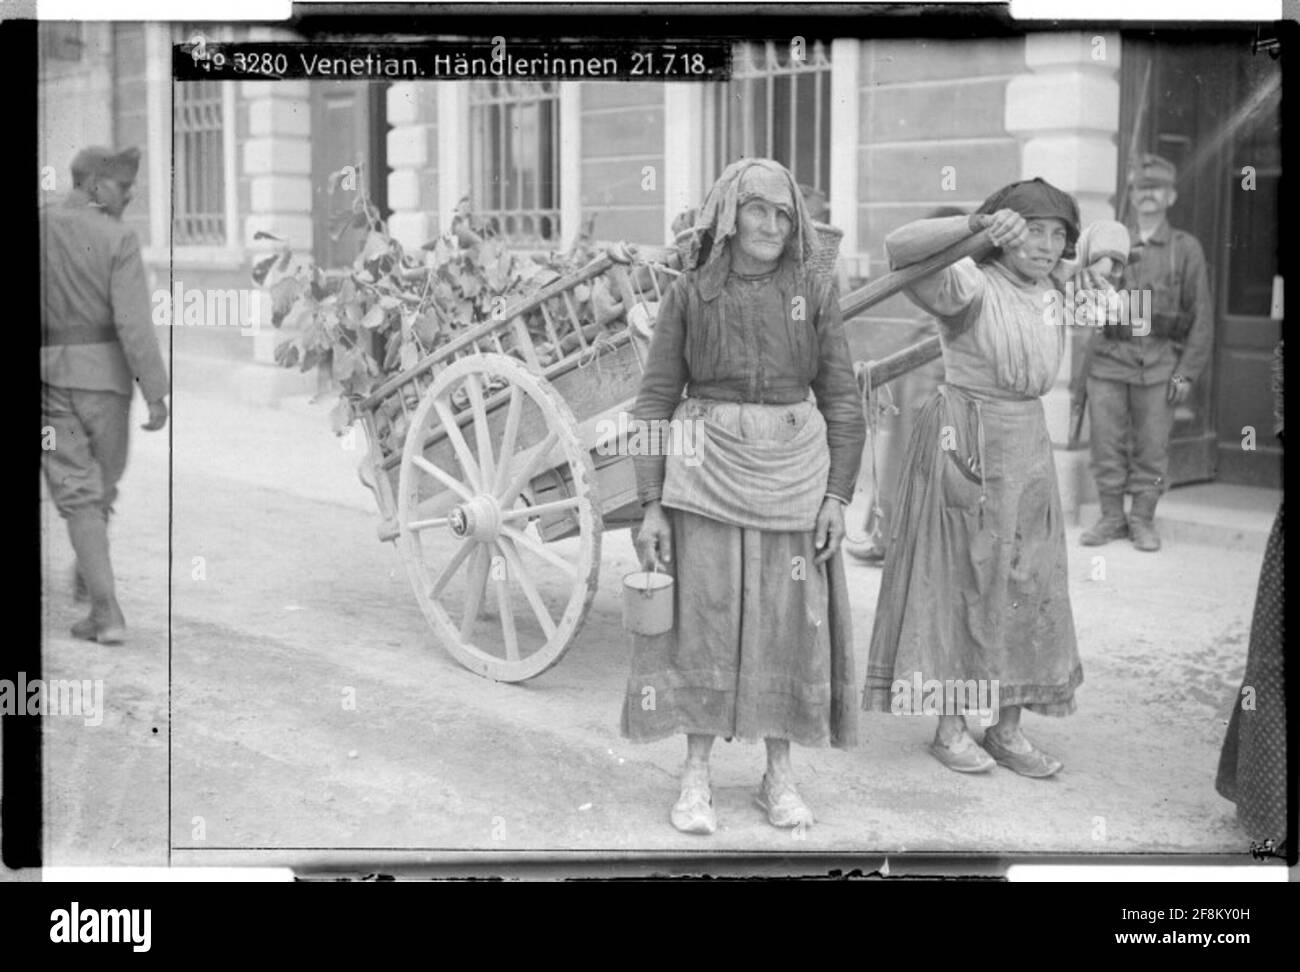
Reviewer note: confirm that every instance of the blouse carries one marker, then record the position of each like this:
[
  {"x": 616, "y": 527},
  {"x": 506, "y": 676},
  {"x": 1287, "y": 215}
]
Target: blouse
[{"x": 765, "y": 339}]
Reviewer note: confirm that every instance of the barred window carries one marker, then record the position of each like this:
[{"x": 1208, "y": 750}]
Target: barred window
[
  {"x": 198, "y": 179},
  {"x": 515, "y": 159},
  {"x": 775, "y": 106}
]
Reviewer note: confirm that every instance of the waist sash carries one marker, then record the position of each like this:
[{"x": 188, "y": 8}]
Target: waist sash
[{"x": 758, "y": 466}]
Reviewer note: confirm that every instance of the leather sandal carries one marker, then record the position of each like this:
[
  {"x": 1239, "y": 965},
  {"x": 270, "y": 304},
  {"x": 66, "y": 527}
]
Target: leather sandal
[
  {"x": 1035, "y": 763},
  {"x": 964, "y": 757},
  {"x": 782, "y": 804},
  {"x": 693, "y": 812}
]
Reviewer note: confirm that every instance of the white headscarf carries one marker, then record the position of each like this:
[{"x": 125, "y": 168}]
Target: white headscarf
[{"x": 716, "y": 224}]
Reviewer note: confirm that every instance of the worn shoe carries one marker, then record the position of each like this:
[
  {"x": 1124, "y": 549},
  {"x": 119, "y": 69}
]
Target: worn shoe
[
  {"x": 693, "y": 812},
  {"x": 963, "y": 756},
  {"x": 1035, "y": 763},
  {"x": 782, "y": 804},
  {"x": 104, "y": 624},
  {"x": 1142, "y": 522},
  {"x": 1111, "y": 526}
]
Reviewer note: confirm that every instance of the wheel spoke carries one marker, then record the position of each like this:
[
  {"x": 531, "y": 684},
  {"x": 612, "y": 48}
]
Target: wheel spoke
[
  {"x": 508, "y": 438},
  {"x": 453, "y": 484},
  {"x": 486, "y": 465},
  {"x": 477, "y": 581},
  {"x": 529, "y": 588},
  {"x": 507, "y": 499},
  {"x": 450, "y": 569},
  {"x": 458, "y": 443},
  {"x": 528, "y": 543},
  {"x": 507, "y": 617},
  {"x": 541, "y": 509}
]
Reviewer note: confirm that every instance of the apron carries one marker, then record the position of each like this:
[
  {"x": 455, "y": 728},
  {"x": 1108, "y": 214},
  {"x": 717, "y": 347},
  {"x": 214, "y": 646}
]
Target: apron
[
  {"x": 758, "y": 466},
  {"x": 975, "y": 581}
]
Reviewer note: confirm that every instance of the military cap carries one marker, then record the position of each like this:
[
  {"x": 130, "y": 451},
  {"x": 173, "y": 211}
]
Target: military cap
[
  {"x": 1150, "y": 169},
  {"x": 105, "y": 163}
]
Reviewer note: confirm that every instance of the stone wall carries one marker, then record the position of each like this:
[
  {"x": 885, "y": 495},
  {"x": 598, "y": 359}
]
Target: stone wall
[
  {"x": 622, "y": 133},
  {"x": 931, "y": 132}
]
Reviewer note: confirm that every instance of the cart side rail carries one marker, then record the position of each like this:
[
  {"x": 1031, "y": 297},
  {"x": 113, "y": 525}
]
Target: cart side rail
[{"x": 548, "y": 332}]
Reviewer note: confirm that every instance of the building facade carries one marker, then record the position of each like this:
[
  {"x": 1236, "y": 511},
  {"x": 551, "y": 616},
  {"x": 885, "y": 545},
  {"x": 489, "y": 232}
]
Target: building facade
[{"x": 916, "y": 124}]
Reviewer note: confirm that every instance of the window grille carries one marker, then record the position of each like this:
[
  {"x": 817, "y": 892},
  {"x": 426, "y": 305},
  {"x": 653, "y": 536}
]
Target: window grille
[
  {"x": 515, "y": 159},
  {"x": 775, "y": 106},
  {"x": 198, "y": 178}
]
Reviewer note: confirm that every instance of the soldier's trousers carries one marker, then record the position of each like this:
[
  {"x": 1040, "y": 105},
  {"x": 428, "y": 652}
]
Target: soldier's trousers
[
  {"x": 89, "y": 434},
  {"x": 1130, "y": 426}
]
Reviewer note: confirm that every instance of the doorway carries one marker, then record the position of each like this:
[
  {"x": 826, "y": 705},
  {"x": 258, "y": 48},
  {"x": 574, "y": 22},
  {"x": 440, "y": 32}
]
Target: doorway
[
  {"x": 1213, "y": 109},
  {"x": 349, "y": 126}
]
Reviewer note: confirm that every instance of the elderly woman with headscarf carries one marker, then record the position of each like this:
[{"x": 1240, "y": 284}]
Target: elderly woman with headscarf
[
  {"x": 752, "y": 522},
  {"x": 974, "y": 592}
]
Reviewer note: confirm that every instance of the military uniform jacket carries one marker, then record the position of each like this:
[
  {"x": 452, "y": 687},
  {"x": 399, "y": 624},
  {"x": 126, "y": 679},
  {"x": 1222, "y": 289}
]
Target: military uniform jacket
[
  {"x": 96, "y": 324},
  {"x": 1171, "y": 264}
]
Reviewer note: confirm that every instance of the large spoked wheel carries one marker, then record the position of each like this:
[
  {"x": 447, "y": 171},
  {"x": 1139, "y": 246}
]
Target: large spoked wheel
[{"x": 503, "y": 601}]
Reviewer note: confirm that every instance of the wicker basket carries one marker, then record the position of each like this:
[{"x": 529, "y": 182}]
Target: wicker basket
[{"x": 826, "y": 247}]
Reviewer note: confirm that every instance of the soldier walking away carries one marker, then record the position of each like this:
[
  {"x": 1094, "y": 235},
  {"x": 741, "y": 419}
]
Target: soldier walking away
[
  {"x": 1136, "y": 380},
  {"x": 97, "y": 340}
]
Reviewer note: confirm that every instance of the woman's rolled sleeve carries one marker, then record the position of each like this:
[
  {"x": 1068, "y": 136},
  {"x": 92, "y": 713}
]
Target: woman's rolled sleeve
[
  {"x": 662, "y": 381},
  {"x": 838, "y": 399},
  {"x": 947, "y": 292}
]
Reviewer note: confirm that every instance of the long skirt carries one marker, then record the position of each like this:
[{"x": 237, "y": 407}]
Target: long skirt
[
  {"x": 762, "y": 643},
  {"x": 975, "y": 584},
  {"x": 1252, "y": 766}
]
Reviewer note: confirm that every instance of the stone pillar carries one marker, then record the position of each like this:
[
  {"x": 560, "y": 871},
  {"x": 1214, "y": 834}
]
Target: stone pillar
[
  {"x": 684, "y": 135},
  {"x": 846, "y": 59},
  {"x": 1065, "y": 111},
  {"x": 413, "y": 160},
  {"x": 277, "y": 160}
]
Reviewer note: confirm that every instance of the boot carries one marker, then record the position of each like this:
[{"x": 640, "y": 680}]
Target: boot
[
  {"x": 1142, "y": 521},
  {"x": 88, "y": 531},
  {"x": 1111, "y": 526}
]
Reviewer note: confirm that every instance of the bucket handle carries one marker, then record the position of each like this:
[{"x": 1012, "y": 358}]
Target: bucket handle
[{"x": 648, "y": 592}]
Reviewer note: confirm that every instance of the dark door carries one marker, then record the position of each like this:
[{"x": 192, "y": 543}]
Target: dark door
[
  {"x": 1248, "y": 279},
  {"x": 348, "y": 128},
  {"x": 1207, "y": 103}
]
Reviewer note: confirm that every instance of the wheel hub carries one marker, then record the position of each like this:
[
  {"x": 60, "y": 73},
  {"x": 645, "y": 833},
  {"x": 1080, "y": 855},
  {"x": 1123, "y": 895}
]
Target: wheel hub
[{"x": 479, "y": 518}]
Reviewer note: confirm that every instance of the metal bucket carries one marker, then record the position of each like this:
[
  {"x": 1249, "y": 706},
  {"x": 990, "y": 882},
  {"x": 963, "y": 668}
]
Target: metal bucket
[{"x": 648, "y": 602}]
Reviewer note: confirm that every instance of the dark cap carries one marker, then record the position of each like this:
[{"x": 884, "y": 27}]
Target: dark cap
[
  {"x": 1038, "y": 199},
  {"x": 106, "y": 164},
  {"x": 1152, "y": 170}
]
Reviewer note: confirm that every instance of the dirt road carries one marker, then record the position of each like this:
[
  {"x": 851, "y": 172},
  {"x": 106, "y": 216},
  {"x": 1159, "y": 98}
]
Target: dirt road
[{"x": 285, "y": 610}]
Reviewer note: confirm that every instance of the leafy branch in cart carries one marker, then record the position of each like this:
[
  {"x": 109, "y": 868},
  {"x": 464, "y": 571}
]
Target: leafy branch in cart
[{"x": 392, "y": 308}]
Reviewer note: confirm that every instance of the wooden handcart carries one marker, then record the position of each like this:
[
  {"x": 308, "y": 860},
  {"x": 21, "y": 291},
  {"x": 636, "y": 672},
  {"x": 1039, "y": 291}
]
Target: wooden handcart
[{"x": 495, "y": 465}]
